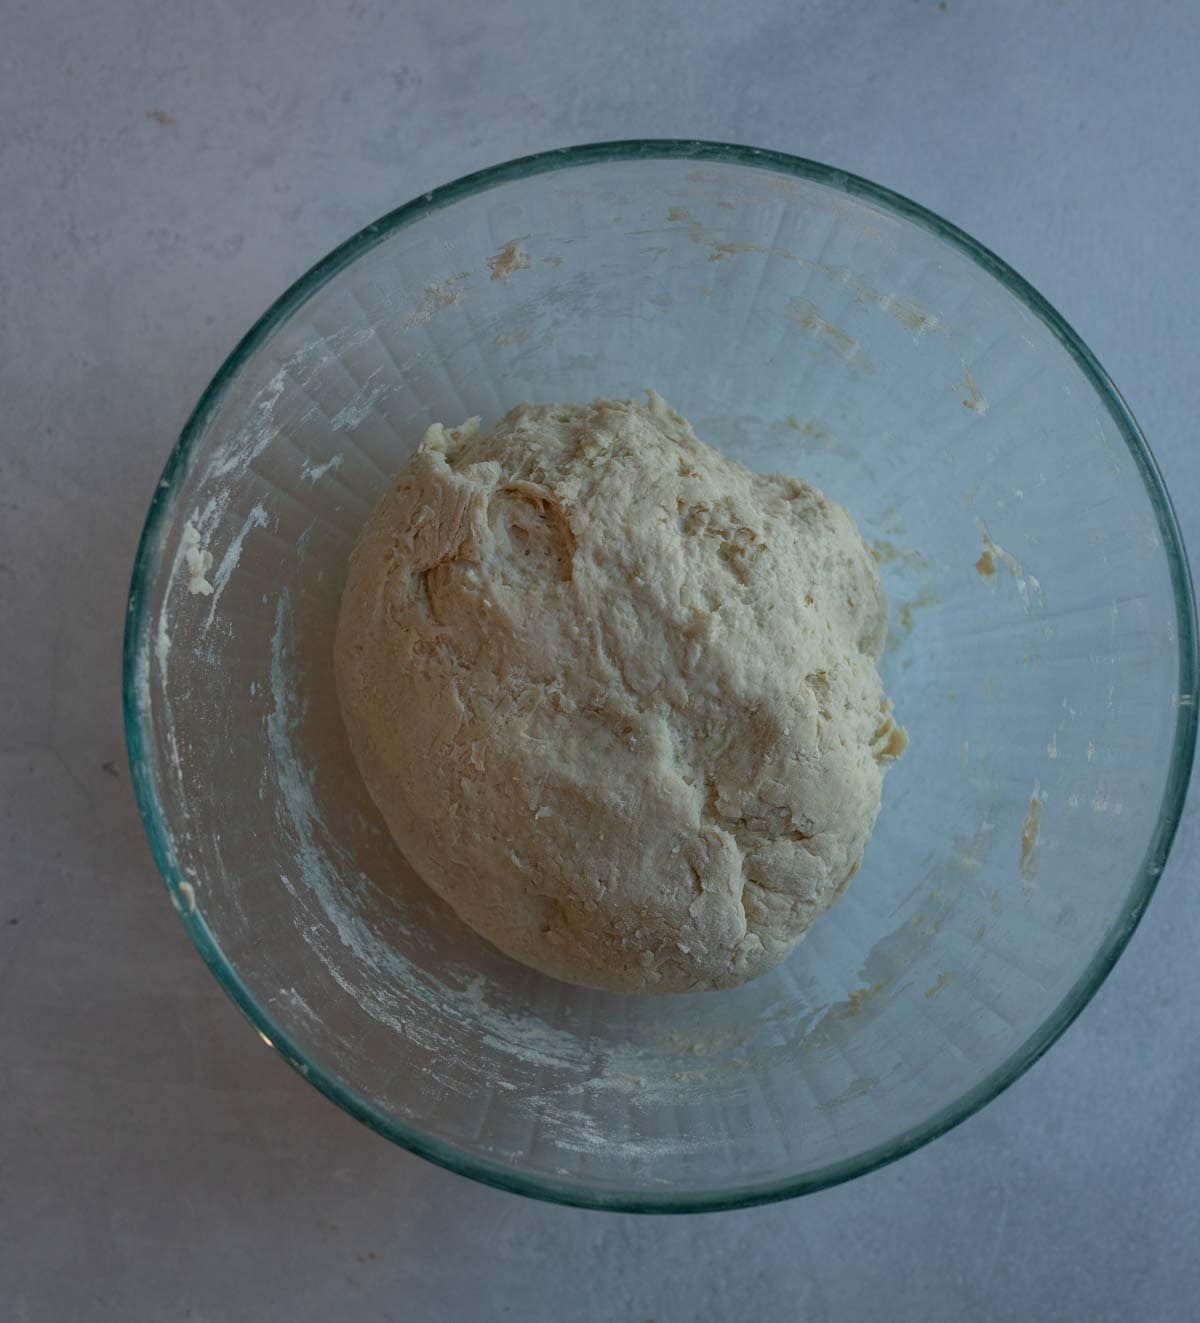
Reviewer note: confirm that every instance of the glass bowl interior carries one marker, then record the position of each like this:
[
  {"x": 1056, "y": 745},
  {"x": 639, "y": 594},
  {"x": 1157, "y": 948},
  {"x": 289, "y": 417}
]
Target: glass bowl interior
[{"x": 1041, "y": 654}]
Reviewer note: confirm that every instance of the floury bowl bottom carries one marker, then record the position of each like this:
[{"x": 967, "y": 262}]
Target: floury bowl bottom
[{"x": 1041, "y": 655}]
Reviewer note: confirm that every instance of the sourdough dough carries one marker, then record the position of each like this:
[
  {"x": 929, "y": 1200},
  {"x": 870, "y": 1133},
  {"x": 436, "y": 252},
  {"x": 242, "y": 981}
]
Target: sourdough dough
[{"x": 616, "y": 695}]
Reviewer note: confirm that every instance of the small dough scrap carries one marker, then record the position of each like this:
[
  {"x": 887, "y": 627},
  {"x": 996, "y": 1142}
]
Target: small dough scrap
[
  {"x": 199, "y": 562},
  {"x": 615, "y": 695}
]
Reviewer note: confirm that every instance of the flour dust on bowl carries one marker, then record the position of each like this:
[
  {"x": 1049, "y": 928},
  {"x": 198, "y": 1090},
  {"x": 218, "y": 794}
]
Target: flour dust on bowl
[{"x": 1041, "y": 654}]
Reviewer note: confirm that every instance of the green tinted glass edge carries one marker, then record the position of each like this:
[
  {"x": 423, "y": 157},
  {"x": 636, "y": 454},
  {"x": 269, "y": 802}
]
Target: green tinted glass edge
[{"x": 139, "y": 733}]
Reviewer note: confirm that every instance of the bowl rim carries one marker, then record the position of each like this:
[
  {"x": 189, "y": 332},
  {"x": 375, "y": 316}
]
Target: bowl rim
[{"x": 140, "y": 735}]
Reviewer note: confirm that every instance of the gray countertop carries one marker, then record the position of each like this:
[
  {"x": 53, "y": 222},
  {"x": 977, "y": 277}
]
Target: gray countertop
[{"x": 165, "y": 170}]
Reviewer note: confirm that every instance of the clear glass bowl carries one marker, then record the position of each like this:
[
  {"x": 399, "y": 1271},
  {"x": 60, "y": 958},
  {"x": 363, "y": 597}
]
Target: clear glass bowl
[{"x": 1042, "y": 656}]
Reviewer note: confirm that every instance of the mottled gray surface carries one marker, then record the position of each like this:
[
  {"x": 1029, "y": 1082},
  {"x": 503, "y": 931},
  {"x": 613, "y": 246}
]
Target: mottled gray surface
[{"x": 165, "y": 170}]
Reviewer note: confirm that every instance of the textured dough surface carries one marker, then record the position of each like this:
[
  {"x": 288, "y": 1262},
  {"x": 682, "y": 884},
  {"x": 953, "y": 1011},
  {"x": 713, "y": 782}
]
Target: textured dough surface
[{"x": 615, "y": 695}]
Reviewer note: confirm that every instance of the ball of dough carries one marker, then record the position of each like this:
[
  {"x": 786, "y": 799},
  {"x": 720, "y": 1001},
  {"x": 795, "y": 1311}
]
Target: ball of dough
[{"x": 615, "y": 695}]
